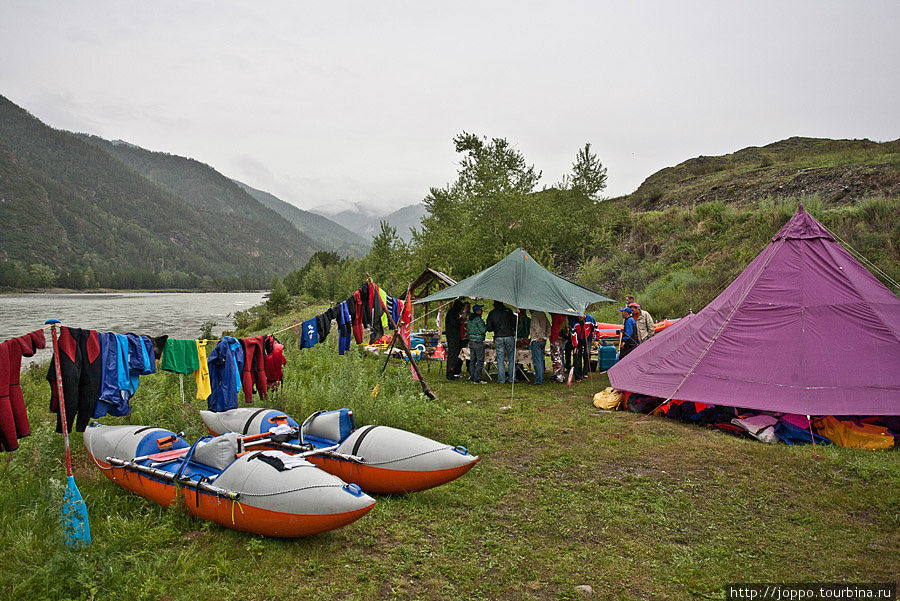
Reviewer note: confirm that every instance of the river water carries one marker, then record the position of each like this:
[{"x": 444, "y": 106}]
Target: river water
[{"x": 179, "y": 315}]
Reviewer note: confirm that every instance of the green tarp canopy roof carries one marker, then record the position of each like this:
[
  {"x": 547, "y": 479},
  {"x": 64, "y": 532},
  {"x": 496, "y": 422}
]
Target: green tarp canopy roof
[{"x": 520, "y": 282}]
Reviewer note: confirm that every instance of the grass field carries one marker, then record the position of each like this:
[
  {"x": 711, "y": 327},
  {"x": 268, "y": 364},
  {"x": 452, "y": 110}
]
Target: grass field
[{"x": 668, "y": 511}]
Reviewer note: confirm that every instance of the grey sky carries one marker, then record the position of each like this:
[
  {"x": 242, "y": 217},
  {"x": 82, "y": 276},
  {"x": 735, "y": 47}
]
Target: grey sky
[{"x": 328, "y": 102}]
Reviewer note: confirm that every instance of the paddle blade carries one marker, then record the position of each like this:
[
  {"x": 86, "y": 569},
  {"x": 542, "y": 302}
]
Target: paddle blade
[{"x": 76, "y": 529}]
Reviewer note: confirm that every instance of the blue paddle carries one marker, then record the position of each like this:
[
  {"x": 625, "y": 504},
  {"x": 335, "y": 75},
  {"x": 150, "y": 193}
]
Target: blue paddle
[{"x": 75, "y": 525}]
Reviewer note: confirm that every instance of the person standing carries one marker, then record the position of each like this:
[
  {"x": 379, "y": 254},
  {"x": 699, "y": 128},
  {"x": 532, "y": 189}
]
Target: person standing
[
  {"x": 539, "y": 332},
  {"x": 557, "y": 342},
  {"x": 644, "y": 322},
  {"x": 570, "y": 346},
  {"x": 464, "y": 336},
  {"x": 502, "y": 322},
  {"x": 477, "y": 329},
  {"x": 452, "y": 327},
  {"x": 629, "y": 333}
]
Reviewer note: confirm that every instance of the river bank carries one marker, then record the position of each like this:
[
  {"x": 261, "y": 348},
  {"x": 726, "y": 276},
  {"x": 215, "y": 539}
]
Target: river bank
[{"x": 7, "y": 291}]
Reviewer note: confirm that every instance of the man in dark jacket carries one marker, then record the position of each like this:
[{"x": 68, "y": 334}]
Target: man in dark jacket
[
  {"x": 502, "y": 322},
  {"x": 453, "y": 325}
]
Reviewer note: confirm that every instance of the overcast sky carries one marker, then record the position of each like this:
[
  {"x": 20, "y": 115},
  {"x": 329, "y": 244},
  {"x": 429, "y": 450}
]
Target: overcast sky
[{"x": 324, "y": 103}]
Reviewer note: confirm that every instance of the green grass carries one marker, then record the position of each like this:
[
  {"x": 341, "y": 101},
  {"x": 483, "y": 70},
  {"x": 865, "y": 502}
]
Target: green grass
[{"x": 668, "y": 511}]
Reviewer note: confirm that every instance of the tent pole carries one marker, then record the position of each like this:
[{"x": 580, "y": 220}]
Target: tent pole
[{"x": 512, "y": 391}]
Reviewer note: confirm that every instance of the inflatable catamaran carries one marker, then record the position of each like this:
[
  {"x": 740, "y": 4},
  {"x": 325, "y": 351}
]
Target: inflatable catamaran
[
  {"x": 379, "y": 459},
  {"x": 261, "y": 491}
]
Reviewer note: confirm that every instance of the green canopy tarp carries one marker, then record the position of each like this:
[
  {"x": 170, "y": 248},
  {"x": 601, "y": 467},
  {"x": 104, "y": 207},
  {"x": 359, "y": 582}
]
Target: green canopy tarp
[{"x": 520, "y": 282}]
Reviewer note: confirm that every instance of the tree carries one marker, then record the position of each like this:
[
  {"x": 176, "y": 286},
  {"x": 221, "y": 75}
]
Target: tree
[
  {"x": 470, "y": 223},
  {"x": 385, "y": 258},
  {"x": 588, "y": 174},
  {"x": 278, "y": 296}
]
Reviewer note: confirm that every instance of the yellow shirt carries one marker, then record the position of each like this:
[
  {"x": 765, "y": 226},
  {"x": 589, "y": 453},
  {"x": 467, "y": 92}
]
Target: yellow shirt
[{"x": 202, "y": 374}]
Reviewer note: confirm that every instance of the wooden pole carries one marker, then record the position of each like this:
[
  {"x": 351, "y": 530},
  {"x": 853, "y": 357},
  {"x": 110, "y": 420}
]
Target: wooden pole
[{"x": 405, "y": 347}]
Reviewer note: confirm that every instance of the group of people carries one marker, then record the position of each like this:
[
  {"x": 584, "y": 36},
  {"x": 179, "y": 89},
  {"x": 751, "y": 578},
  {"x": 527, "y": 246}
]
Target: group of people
[
  {"x": 637, "y": 326},
  {"x": 570, "y": 340}
]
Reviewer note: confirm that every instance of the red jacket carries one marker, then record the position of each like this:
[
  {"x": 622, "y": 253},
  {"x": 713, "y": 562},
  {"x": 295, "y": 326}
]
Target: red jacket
[
  {"x": 254, "y": 368},
  {"x": 13, "y": 416}
]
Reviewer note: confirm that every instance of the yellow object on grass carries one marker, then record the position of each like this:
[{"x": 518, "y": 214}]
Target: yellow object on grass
[
  {"x": 609, "y": 399},
  {"x": 854, "y": 435}
]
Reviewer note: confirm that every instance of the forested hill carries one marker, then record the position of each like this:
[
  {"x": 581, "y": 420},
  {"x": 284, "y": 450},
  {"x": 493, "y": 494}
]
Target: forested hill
[
  {"x": 832, "y": 170},
  {"x": 73, "y": 215},
  {"x": 329, "y": 235},
  {"x": 224, "y": 203}
]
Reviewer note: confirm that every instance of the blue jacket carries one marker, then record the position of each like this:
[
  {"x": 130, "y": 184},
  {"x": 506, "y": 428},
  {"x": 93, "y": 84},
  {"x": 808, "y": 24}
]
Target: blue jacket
[
  {"x": 345, "y": 328},
  {"x": 630, "y": 330},
  {"x": 224, "y": 375},
  {"x": 123, "y": 358}
]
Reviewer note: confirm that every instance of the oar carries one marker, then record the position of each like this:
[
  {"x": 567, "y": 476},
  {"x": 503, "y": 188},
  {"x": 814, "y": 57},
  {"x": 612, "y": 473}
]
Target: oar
[{"x": 75, "y": 525}]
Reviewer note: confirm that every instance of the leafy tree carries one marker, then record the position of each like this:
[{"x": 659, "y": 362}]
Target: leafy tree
[
  {"x": 278, "y": 296},
  {"x": 471, "y": 222},
  {"x": 386, "y": 258}
]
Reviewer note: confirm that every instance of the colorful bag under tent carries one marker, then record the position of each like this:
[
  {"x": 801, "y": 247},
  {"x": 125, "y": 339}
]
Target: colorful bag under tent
[
  {"x": 763, "y": 343},
  {"x": 854, "y": 435}
]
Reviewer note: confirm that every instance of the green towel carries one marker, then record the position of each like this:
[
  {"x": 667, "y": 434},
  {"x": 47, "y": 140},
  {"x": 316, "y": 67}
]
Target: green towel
[{"x": 180, "y": 356}]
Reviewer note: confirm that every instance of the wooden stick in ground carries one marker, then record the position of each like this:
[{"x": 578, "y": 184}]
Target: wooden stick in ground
[
  {"x": 390, "y": 349},
  {"x": 405, "y": 348}
]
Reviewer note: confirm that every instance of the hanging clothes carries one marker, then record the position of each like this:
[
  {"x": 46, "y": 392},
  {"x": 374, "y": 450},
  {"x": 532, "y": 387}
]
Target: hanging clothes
[
  {"x": 385, "y": 323},
  {"x": 254, "y": 372},
  {"x": 355, "y": 301},
  {"x": 202, "y": 373},
  {"x": 309, "y": 333},
  {"x": 344, "y": 327},
  {"x": 396, "y": 307},
  {"x": 13, "y": 415},
  {"x": 159, "y": 343},
  {"x": 237, "y": 353},
  {"x": 323, "y": 324},
  {"x": 365, "y": 301},
  {"x": 123, "y": 358},
  {"x": 79, "y": 364},
  {"x": 275, "y": 361},
  {"x": 377, "y": 328},
  {"x": 180, "y": 356},
  {"x": 224, "y": 375}
]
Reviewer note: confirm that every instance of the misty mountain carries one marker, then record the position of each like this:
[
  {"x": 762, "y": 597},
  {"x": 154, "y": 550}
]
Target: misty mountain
[
  {"x": 327, "y": 233},
  {"x": 365, "y": 220}
]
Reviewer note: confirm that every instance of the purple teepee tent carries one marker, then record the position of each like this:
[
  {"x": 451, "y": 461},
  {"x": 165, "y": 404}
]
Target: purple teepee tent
[{"x": 804, "y": 329}]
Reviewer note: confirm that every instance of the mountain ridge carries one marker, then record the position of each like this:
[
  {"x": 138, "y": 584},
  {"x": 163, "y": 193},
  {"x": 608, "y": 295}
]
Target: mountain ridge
[{"x": 76, "y": 216}]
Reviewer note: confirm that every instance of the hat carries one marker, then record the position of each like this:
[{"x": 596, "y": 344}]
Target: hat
[
  {"x": 476, "y": 307},
  {"x": 626, "y": 310},
  {"x": 634, "y": 305}
]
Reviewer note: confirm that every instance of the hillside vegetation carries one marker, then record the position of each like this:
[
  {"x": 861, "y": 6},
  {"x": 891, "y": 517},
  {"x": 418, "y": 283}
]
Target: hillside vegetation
[
  {"x": 675, "y": 252},
  {"x": 833, "y": 170},
  {"x": 82, "y": 212}
]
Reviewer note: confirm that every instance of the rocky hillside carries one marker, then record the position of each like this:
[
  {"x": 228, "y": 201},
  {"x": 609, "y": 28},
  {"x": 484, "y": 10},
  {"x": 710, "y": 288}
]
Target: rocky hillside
[{"x": 836, "y": 171}]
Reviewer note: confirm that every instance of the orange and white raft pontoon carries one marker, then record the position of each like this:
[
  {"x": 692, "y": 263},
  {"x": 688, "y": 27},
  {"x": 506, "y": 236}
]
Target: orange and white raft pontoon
[
  {"x": 380, "y": 459},
  {"x": 261, "y": 491}
]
